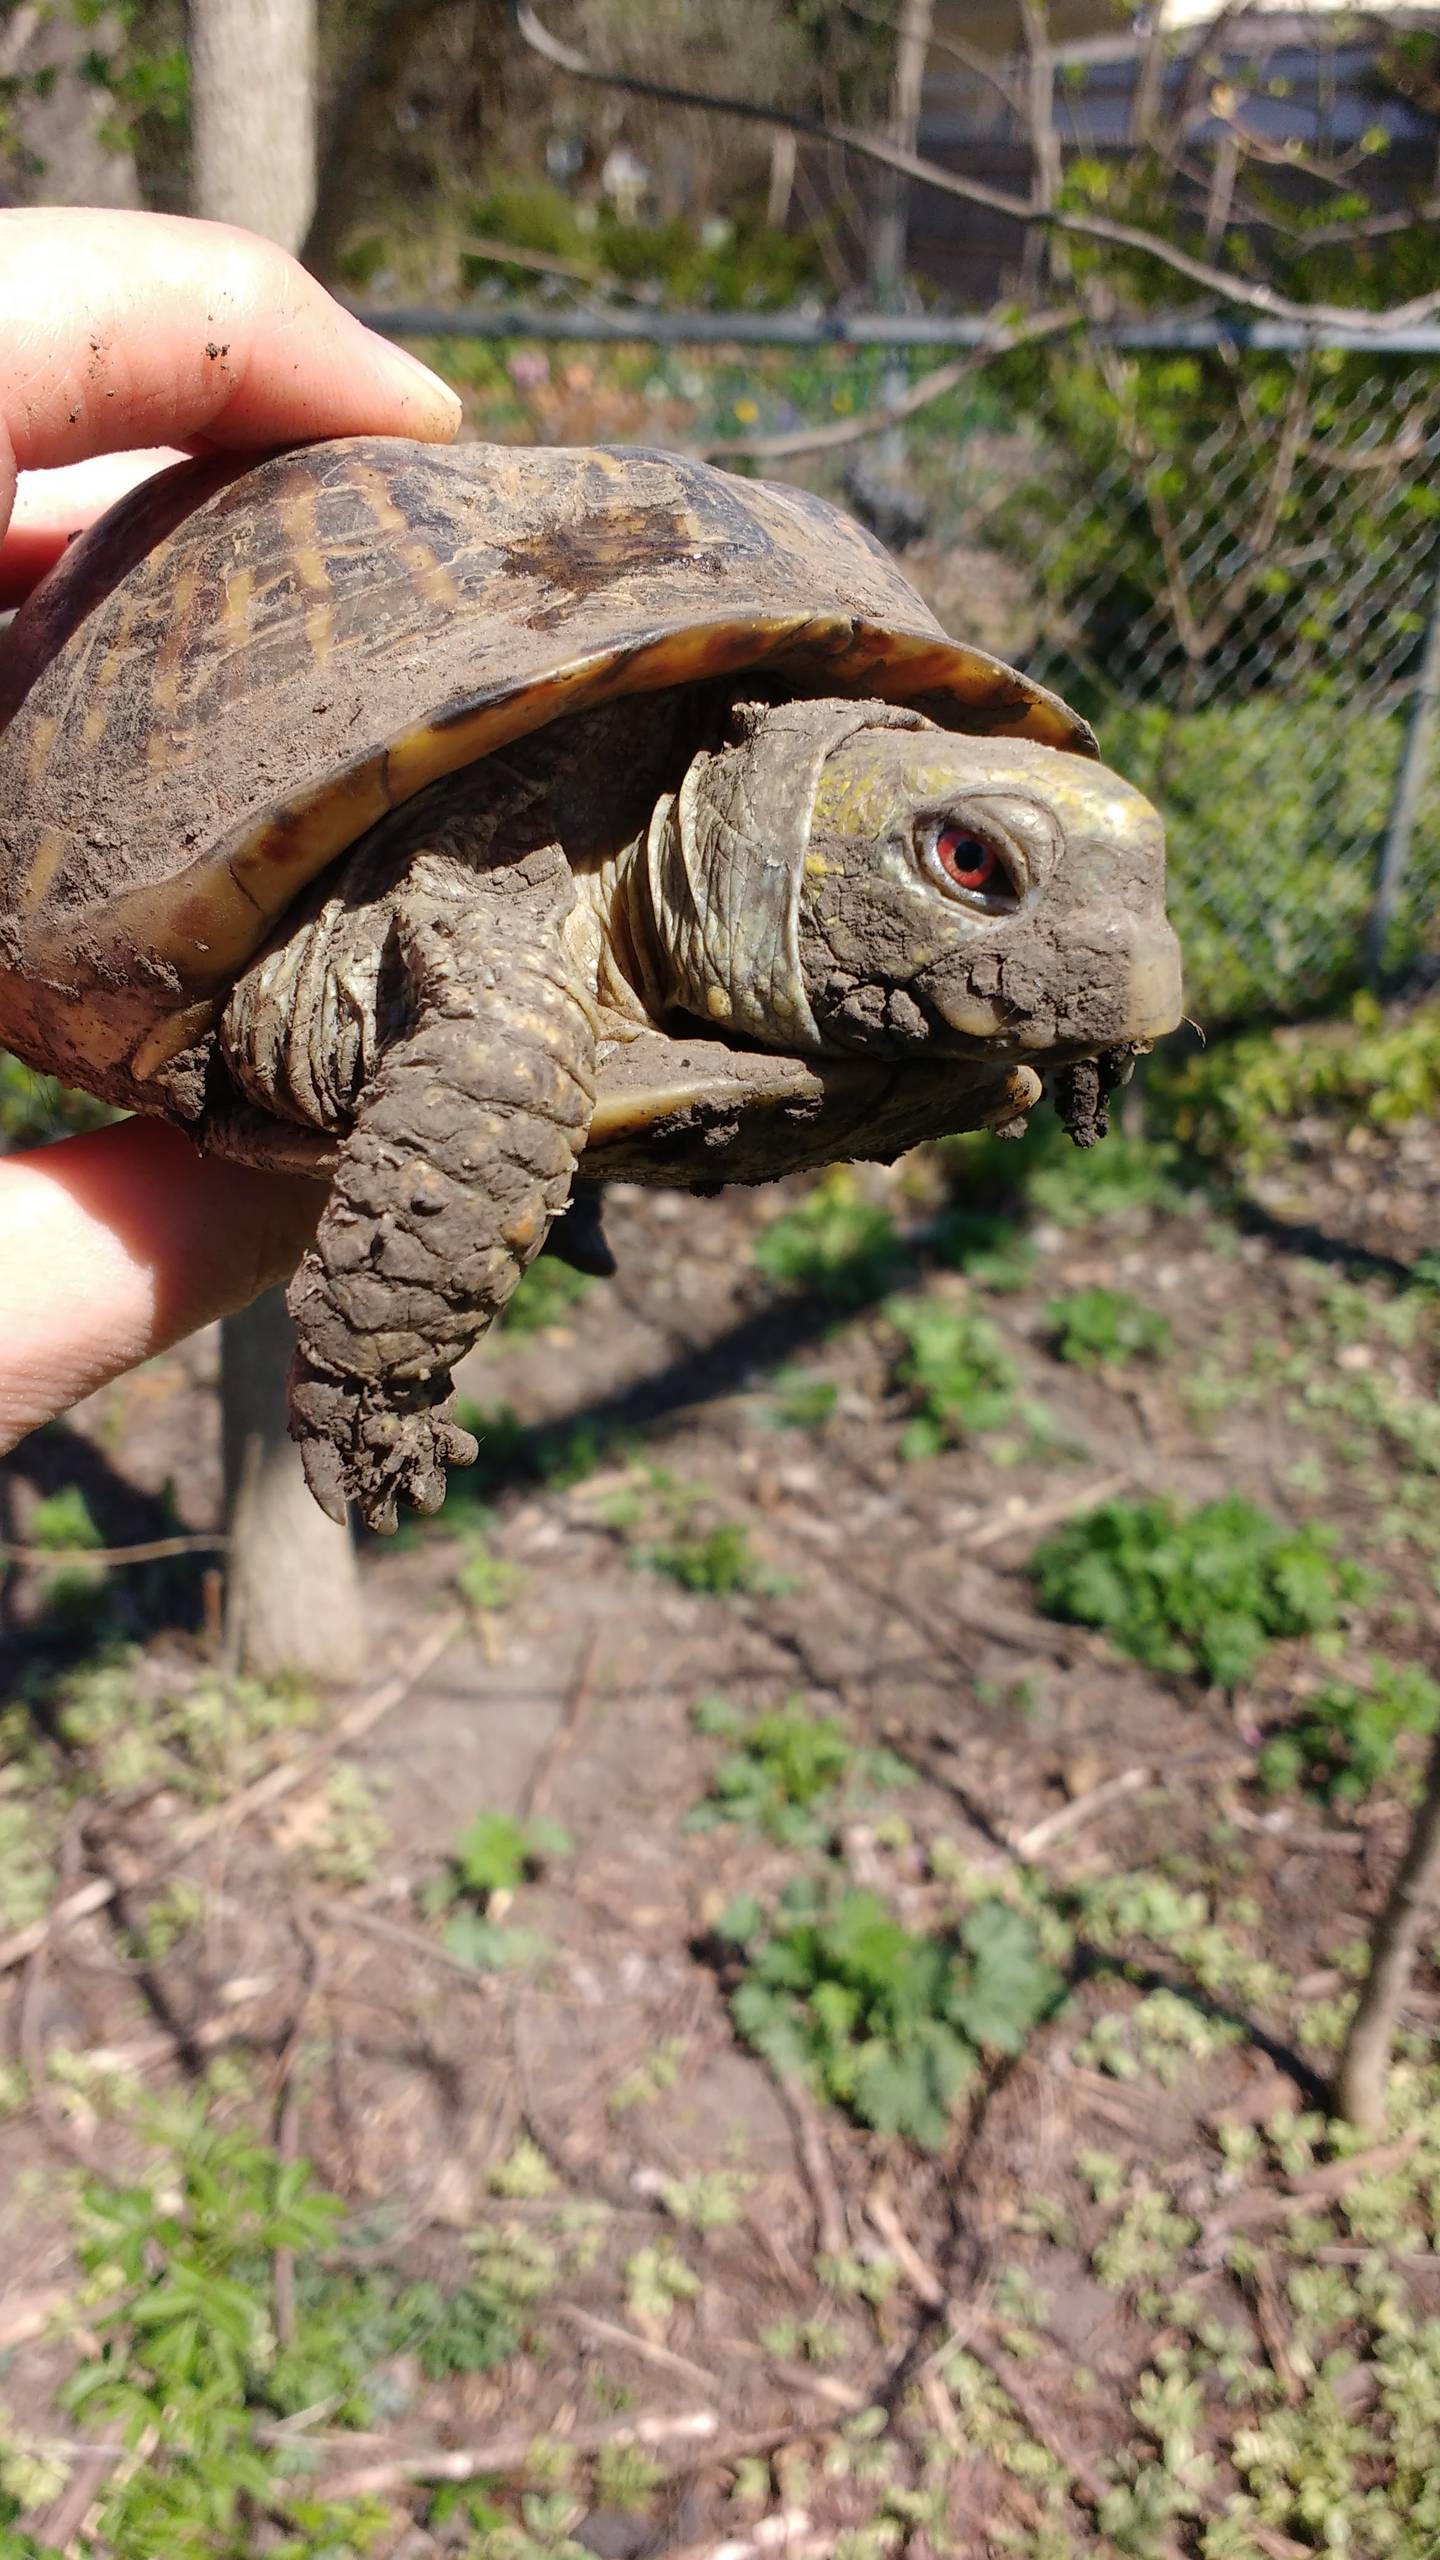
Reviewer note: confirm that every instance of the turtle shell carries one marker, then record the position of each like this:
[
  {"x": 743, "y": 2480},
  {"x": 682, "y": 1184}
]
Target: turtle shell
[{"x": 239, "y": 670}]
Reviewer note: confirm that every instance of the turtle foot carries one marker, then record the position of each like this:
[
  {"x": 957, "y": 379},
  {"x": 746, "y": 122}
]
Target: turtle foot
[{"x": 376, "y": 1446}]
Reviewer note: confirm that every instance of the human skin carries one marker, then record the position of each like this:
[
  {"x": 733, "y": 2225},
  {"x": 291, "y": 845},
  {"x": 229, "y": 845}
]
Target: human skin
[{"x": 125, "y": 337}]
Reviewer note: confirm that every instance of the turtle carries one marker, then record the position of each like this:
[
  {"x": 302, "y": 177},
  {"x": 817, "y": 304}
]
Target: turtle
[{"x": 461, "y": 824}]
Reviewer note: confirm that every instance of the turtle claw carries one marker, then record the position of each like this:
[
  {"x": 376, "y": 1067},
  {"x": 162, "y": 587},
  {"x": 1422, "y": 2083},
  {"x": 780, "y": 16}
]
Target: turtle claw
[{"x": 362, "y": 1443}]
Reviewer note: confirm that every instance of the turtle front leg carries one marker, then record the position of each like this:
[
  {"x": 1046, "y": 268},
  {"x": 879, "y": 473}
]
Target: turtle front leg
[{"x": 464, "y": 1147}]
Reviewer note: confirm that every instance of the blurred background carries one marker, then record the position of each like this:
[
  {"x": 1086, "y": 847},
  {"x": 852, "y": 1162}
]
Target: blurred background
[{"x": 808, "y": 1926}]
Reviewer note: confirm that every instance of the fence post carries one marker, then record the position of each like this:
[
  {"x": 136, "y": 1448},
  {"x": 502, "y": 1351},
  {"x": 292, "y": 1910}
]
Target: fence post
[{"x": 1395, "y": 851}]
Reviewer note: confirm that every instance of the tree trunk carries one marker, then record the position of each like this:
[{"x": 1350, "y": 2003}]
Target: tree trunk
[
  {"x": 890, "y": 223},
  {"x": 292, "y": 1598},
  {"x": 363, "y": 104},
  {"x": 252, "y": 79},
  {"x": 1413, "y": 1907},
  {"x": 292, "y": 1592},
  {"x": 59, "y": 146}
]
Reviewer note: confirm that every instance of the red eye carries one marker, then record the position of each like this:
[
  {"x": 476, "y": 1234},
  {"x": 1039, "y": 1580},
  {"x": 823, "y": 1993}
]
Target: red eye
[{"x": 969, "y": 861}]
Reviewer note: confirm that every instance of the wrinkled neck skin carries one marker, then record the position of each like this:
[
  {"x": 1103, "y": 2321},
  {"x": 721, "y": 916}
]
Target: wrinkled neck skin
[{"x": 712, "y": 896}]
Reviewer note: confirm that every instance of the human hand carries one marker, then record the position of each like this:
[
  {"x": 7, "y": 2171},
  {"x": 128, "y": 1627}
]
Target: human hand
[{"x": 124, "y": 336}]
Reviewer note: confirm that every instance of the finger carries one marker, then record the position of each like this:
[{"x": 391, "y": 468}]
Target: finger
[
  {"x": 124, "y": 329},
  {"x": 51, "y": 507},
  {"x": 113, "y": 1246}
]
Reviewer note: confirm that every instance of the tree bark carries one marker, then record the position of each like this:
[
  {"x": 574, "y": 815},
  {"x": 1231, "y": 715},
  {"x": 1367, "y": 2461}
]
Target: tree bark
[
  {"x": 252, "y": 74},
  {"x": 292, "y": 1593},
  {"x": 364, "y": 101},
  {"x": 890, "y": 224},
  {"x": 292, "y": 1599},
  {"x": 62, "y": 150},
  {"x": 1412, "y": 1908}
]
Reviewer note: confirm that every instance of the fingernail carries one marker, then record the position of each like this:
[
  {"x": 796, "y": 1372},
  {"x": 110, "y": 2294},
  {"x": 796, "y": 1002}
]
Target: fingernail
[{"x": 439, "y": 410}]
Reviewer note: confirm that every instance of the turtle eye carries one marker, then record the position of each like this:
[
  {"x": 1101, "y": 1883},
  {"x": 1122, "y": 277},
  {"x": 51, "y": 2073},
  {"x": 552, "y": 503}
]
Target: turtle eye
[{"x": 970, "y": 863}]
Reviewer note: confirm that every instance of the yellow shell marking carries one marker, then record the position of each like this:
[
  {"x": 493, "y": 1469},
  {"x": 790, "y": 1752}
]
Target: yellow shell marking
[
  {"x": 40, "y": 745},
  {"x": 112, "y": 660},
  {"x": 165, "y": 674},
  {"x": 48, "y": 853},
  {"x": 235, "y": 608},
  {"x": 300, "y": 515},
  {"x": 429, "y": 572}
]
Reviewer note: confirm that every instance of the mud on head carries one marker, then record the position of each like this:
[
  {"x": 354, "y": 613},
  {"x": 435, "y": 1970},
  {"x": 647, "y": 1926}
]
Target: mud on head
[{"x": 848, "y": 876}]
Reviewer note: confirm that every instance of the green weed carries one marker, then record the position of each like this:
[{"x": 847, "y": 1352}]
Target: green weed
[
  {"x": 63, "y": 1520},
  {"x": 27, "y": 1875},
  {"x": 548, "y": 1295},
  {"x": 885, "y": 2022},
  {"x": 493, "y": 1855},
  {"x": 656, "y": 2281},
  {"x": 1201, "y": 1591},
  {"x": 956, "y": 1372},
  {"x": 650, "y": 2079},
  {"x": 1104, "y": 1328},
  {"x": 665, "y": 1530},
  {"x": 719, "y": 1560},
  {"x": 36, "y": 1108},
  {"x": 788, "y": 1774},
  {"x": 483, "y": 1579},
  {"x": 188, "y": 2369},
  {"x": 513, "y": 1452},
  {"x": 124, "y": 1723},
  {"x": 1346, "y": 1739},
  {"x": 800, "y": 1401},
  {"x": 837, "y": 1245},
  {"x": 991, "y": 1248},
  {"x": 1235, "y": 1103}
]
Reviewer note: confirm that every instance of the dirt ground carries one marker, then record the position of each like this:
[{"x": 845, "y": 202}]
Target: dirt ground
[{"x": 802, "y": 2335}]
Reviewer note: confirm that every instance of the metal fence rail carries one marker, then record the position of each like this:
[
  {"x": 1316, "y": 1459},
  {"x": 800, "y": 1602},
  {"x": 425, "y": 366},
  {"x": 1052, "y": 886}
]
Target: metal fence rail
[{"x": 1223, "y": 543}]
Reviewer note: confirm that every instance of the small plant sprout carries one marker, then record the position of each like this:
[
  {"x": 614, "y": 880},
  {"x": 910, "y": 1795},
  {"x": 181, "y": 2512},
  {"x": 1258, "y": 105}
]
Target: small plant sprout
[
  {"x": 888, "y": 2023},
  {"x": 836, "y": 1246},
  {"x": 1201, "y": 1591},
  {"x": 1104, "y": 1328}
]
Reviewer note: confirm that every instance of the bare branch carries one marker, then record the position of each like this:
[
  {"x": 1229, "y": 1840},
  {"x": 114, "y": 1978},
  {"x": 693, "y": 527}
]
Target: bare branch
[
  {"x": 1411, "y": 1910},
  {"x": 969, "y": 57},
  {"x": 1242, "y": 292},
  {"x": 892, "y": 413}
]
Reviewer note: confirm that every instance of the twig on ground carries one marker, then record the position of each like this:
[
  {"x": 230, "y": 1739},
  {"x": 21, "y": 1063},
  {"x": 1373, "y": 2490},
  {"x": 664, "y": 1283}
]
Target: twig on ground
[
  {"x": 832, "y": 2232},
  {"x": 1043, "y": 1515},
  {"x": 509, "y": 2454},
  {"x": 30, "y": 2029},
  {"x": 536, "y": 1792},
  {"x": 923, "y": 2281},
  {"x": 786, "y": 2536},
  {"x": 612, "y": 2333},
  {"x": 1255, "y": 2206},
  {"x": 374, "y": 1924},
  {"x": 1088, "y": 2483},
  {"x": 287, "y": 2119},
  {"x": 1028, "y": 1844},
  {"x": 1291, "y": 1835},
  {"x": 31, "y": 2314},
  {"x": 275, "y": 1783},
  {"x": 143, "y": 2052}
]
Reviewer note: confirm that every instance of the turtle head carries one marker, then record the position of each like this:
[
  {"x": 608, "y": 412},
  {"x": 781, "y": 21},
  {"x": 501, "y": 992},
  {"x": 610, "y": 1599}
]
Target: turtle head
[{"x": 852, "y": 877}]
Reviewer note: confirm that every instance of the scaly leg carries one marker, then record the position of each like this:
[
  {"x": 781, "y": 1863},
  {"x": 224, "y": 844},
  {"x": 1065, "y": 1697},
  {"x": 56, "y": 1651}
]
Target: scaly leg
[{"x": 464, "y": 1148}]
